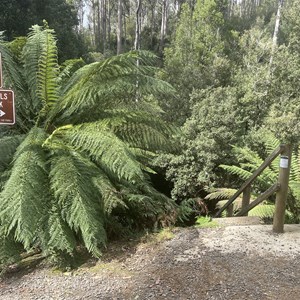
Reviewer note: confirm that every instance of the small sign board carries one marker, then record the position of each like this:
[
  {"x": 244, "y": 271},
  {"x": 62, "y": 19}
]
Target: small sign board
[{"x": 7, "y": 107}]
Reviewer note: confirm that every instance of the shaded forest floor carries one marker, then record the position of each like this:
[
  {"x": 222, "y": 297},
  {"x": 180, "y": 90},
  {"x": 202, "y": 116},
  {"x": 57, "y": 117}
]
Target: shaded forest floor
[{"x": 227, "y": 262}]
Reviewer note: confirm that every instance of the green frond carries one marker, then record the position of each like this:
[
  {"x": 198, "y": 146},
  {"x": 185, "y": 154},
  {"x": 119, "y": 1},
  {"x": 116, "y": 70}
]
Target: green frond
[
  {"x": 220, "y": 194},
  {"x": 23, "y": 200},
  {"x": 140, "y": 132},
  {"x": 107, "y": 83},
  {"x": 295, "y": 167},
  {"x": 11, "y": 71},
  {"x": 48, "y": 70},
  {"x": 67, "y": 70},
  {"x": 60, "y": 235},
  {"x": 110, "y": 195},
  {"x": 78, "y": 199},
  {"x": 145, "y": 203},
  {"x": 104, "y": 147},
  {"x": 31, "y": 55},
  {"x": 246, "y": 154},
  {"x": 8, "y": 146},
  {"x": 271, "y": 143},
  {"x": 10, "y": 250},
  {"x": 235, "y": 170},
  {"x": 266, "y": 213}
]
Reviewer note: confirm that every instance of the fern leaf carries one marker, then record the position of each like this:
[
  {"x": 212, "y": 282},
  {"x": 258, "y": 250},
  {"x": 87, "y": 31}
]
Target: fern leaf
[
  {"x": 235, "y": 170},
  {"x": 104, "y": 147},
  {"x": 61, "y": 237},
  {"x": 8, "y": 146},
  {"x": 31, "y": 56},
  {"x": 47, "y": 75},
  {"x": 22, "y": 208},
  {"x": 220, "y": 194},
  {"x": 78, "y": 199},
  {"x": 108, "y": 83}
]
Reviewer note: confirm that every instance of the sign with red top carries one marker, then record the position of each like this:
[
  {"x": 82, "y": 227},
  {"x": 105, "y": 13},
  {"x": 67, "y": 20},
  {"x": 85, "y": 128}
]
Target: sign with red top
[{"x": 7, "y": 107}]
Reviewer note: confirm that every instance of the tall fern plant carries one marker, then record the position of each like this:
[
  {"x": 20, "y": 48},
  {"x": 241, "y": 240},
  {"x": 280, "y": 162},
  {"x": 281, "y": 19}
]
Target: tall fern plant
[{"x": 78, "y": 155}]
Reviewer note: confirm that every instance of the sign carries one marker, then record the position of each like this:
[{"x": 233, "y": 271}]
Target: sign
[
  {"x": 284, "y": 162},
  {"x": 7, "y": 107},
  {"x": 1, "y": 82}
]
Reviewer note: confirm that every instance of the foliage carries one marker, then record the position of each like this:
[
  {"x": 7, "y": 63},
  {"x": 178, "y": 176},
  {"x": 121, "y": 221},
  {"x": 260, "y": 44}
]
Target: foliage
[
  {"x": 222, "y": 116},
  {"x": 206, "y": 222},
  {"x": 80, "y": 151},
  {"x": 18, "y": 16},
  {"x": 195, "y": 57}
]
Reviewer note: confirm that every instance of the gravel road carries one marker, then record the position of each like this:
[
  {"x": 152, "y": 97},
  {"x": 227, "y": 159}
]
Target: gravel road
[{"x": 232, "y": 262}]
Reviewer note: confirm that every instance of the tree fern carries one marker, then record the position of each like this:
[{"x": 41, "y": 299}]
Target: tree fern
[{"x": 82, "y": 156}]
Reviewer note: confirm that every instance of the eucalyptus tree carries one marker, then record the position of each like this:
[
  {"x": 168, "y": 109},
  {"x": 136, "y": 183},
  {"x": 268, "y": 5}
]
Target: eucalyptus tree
[{"x": 77, "y": 160}]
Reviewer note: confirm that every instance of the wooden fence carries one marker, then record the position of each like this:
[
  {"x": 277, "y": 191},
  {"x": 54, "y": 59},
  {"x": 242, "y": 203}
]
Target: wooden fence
[{"x": 280, "y": 187}]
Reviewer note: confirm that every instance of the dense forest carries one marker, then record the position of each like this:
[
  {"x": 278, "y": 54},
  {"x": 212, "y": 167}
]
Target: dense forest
[{"x": 134, "y": 114}]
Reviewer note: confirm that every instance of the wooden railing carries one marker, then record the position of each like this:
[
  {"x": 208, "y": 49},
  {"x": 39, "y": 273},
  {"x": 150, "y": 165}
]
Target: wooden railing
[{"x": 281, "y": 188}]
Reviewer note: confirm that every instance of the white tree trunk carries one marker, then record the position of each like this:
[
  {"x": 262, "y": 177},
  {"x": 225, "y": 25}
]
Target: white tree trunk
[{"x": 120, "y": 27}]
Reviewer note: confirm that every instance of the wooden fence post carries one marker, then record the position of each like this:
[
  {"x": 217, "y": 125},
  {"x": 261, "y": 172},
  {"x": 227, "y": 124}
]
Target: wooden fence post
[
  {"x": 281, "y": 195},
  {"x": 246, "y": 198}
]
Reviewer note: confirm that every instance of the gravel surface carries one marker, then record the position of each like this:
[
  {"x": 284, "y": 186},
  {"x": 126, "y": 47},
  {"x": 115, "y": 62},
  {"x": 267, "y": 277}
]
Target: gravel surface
[{"x": 232, "y": 262}]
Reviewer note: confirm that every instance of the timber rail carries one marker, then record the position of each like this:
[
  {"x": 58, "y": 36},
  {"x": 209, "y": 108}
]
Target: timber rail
[{"x": 280, "y": 187}]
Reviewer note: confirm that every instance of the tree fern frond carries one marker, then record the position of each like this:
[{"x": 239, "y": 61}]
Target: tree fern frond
[
  {"x": 105, "y": 148},
  {"x": 235, "y": 170},
  {"x": 220, "y": 194},
  {"x": 271, "y": 143},
  {"x": 78, "y": 199},
  {"x": 61, "y": 237},
  {"x": 139, "y": 135},
  {"x": 264, "y": 211},
  {"x": 47, "y": 87},
  {"x": 8, "y": 146},
  {"x": 31, "y": 56},
  {"x": 68, "y": 68},
  {"x": 111, "y": 197},
  {"x": 246, "y": 154},
  {"x": 22, "y": 208},
  {"x": 111, "y": 80},
  {"x": 10, "y": 250}
]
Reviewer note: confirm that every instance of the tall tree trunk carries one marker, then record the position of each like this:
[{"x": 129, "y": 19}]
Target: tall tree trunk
[
  {"x": 108, "y": 24},
  {"x": 163, "y": 28},
  {"x": 120, "y": 27},
  {"x": 276, "y": 31},
  {"x": 98, "y": 27},
  {"x": 153, "y": 6},
  {"x": 103, "y": 24},
  {"x": 137, "y": 41}
]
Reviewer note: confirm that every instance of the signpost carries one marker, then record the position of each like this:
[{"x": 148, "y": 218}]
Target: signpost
[
  {"x": 7, "y": 107},
  {"x": 7, "y": 102}
]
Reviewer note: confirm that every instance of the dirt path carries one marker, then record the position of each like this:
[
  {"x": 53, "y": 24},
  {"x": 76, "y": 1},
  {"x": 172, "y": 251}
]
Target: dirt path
[{"x": 232, "y": 262}]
